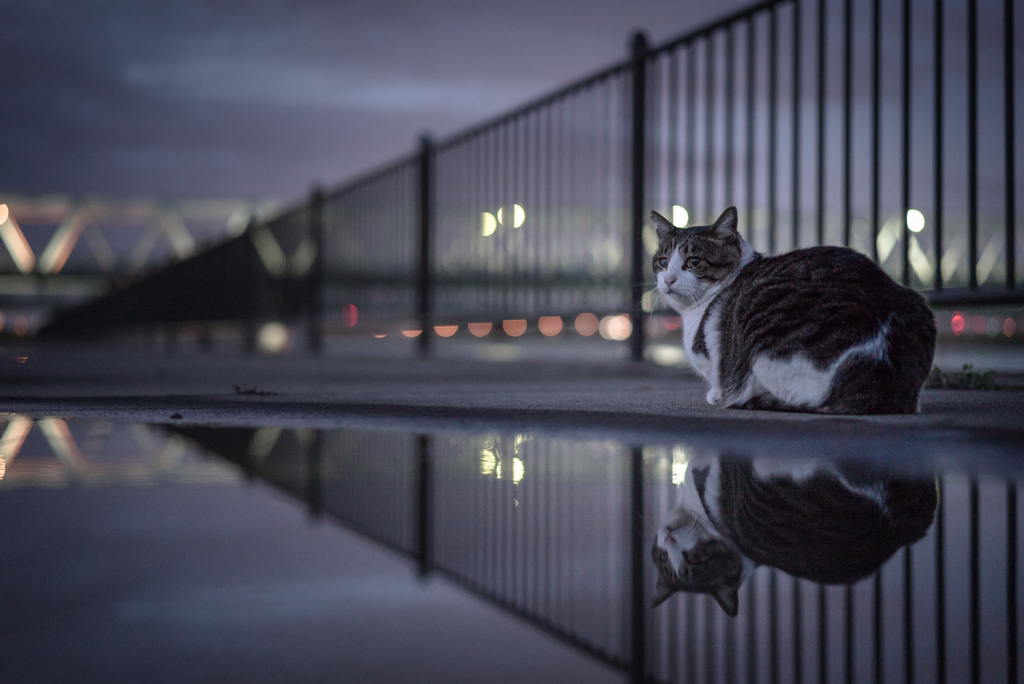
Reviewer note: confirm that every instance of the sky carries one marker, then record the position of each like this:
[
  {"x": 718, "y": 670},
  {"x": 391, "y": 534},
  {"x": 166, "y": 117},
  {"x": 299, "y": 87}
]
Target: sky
[{"x": 264, "y": 99}]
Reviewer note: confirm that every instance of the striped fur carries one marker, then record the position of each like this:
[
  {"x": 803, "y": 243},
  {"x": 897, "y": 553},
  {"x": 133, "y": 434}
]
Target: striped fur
[
  {"x": 820, "y": 329},
  {"x": 832, "y": 523}
]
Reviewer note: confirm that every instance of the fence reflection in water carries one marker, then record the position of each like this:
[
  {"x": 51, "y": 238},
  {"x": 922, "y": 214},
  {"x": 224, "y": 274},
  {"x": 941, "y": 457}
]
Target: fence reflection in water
[{"x": 545, "y": 528}]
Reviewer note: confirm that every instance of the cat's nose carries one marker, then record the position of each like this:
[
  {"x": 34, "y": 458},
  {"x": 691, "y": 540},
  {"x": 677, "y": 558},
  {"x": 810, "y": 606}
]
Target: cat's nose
[{"x": 669, "y": 280}]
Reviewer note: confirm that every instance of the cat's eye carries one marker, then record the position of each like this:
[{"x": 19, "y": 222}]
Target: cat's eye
[
  {"x": 663, "y": 263},
  {"x": 693, "y": 262}
]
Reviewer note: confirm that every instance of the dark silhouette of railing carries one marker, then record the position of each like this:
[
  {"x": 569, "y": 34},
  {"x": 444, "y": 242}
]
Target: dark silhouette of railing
[
  {"x": 558, "y": 533},
  {"x": 825, "y": 122},
  {"x": 764, "y": 109}
]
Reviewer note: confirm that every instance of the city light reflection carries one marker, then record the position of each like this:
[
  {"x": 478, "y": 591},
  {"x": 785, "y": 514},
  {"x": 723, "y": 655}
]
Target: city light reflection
[
  {"x": 616, "y": 328},
  {"x": 915, "y": 220},
  {"x": 550, "y": 325},
  {"x": 586, "y": 324},
  {"x": 488, "y": 224},
  {"x": 680, "y": 217},
  {"x": 514, "y": 327}
]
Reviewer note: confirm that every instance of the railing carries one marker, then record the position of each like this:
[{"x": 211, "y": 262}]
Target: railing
[
  {"x": 554, "y": 532},
  {"x": 885, "y": 127}
]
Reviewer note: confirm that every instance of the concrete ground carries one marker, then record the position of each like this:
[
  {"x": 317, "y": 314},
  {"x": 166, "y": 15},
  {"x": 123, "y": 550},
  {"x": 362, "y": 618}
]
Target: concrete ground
[{"x": 580, "y": 391}]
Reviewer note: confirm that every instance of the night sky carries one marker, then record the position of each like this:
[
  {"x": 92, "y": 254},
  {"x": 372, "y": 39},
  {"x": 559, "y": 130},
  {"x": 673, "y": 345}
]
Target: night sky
[{"x": 262, "y": 99}]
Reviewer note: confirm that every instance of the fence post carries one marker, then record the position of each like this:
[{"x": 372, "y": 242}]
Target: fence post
[
  {"x": 424, "y": 507},
  {"x": 638, "y": 618},
  {"x": 425, "y": 280},
  {"x": 639, "y": 137},
  {"x": 315, "y": 279}
]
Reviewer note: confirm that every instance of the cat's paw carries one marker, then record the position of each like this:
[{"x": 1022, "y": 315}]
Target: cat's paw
[{"x": 715, "y": 397}]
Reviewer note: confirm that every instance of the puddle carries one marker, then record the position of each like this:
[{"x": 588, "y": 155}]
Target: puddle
[{"x": 849, "y": 570}]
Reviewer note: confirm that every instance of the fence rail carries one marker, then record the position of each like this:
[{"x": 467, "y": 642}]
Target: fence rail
[{"x": 884, "y": 127}]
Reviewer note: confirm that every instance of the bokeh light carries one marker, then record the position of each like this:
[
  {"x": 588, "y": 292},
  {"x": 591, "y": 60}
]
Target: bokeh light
[
  {"x": 514, "y": 327},
  {"x": 680, "y": 217},
  {"x": 488, "y": 224},
  {"x": 479, "y": 329},
  {"x": 586, "y": 324},
  {"x": 381, "y": 336},
  {"x": 446, "y": 330},
  {"x": 616, "y": 328},
  {"x": 915, "y": 220},
  {"x": 411, "y": 333},
  {"x": 20, "y": 326},
  {"x": 958, "y": 324},
  {"x": 349, "y": 315},
  {"x": 4, "y": 213},
  {"x": 273, "y": 338},
  {"x": 518, "y": 216},
  {"x": 1009, "y": 327},
  {"x": 550, "y": 325},
  {"x": 671, "y": 322}
]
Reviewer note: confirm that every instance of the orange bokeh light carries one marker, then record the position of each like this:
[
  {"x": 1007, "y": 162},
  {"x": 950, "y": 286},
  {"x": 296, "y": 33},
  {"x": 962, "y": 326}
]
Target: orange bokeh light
[
  {"x": 20, "y": 326},
  {"x": 586, "y": 324},
  {"x": 479, "y": 329},
  {"x": 1009, "y": 327},
  {"x": 550, "y": 325},
  {"x": 514, "y": 327},
  {"x": 411, "y": 333},
  {"x": 380, "y": 336},
  {"x": 672, "y": 322},
  {"x": 446, "y": 330}
]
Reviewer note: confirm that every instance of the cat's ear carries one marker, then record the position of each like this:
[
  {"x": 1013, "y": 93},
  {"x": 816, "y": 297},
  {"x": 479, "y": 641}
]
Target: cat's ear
[
  {"x": 728, "y": 597},
  {"x": 726, "y": 224},
  {"x": 662, "y": 225}
]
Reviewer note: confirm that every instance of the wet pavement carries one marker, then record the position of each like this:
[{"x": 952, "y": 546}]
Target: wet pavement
[{"x": 211, "y": 516}]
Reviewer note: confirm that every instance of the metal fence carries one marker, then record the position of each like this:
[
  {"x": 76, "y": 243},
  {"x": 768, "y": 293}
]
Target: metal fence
[
  {"x": 887, "y": 127},
  {"x": 558, "y": 532}
]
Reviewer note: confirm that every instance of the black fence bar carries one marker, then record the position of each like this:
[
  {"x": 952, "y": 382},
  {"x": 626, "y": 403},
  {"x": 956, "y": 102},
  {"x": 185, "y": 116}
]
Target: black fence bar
[
  {"x": 773, "y": 104},
  {"x": 940, "y": 586},
  {"x": 820, "y": 184},
  {"x": 879, "y": 661},
  {"x": 315, "y": 284},
  {"x": 638, "y": 206},
  {"x": 749, "y": 141},
  {"x": 975, "y": 586},
  {"x": 905, "y": 171},
  {"x": 426, "y": 218},
  {"x": 1011, "y": 583},
  {"x": 424, "y": 505},
  {"x": 908, "y": 615},
  {"x": 795, "y": 209},
  {"x": 876, "y": 123},
  {"x": 972, "y": 142},
  {"x": 638, "y": 579},
  {"x": 939, "y": 138},
  {"x": 847, "y": 121},
  {"x": 1010, "y": 223}
]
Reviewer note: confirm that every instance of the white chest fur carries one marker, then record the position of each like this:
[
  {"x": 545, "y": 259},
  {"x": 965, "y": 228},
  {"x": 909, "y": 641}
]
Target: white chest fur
[{"x": 691, "y": 323}]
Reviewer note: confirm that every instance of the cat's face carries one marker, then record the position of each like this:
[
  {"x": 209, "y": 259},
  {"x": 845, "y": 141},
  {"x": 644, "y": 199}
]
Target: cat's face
[
  {"x": 691, "y": 557},
  {"x": 691, "y": 261}
]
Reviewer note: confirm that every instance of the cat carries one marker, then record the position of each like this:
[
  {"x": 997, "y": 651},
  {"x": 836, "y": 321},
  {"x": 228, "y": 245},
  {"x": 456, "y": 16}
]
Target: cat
[
  {"x": 825, "y": 523},
  {"x": 819, "y": 330}
]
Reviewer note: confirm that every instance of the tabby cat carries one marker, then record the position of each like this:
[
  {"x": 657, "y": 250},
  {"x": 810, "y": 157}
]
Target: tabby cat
[
  {"x": 821, "y": 522},
  {"x": 821, "y": 329}
]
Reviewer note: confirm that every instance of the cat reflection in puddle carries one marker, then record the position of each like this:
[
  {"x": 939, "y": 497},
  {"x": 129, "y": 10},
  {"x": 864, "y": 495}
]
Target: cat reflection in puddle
[{"x": 827, "y": 523}]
